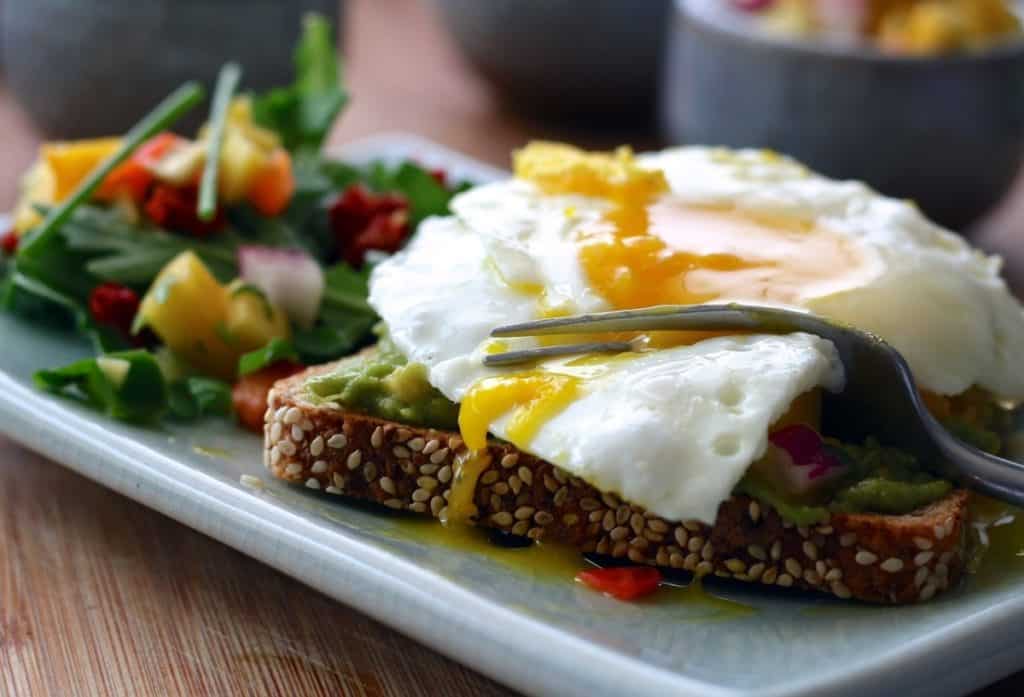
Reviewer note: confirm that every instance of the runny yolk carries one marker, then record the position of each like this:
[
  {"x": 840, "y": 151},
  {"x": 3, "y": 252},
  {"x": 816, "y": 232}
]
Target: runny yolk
[
  {"x": 532, "y": 397},
  {"x": 651, "y": 250}
]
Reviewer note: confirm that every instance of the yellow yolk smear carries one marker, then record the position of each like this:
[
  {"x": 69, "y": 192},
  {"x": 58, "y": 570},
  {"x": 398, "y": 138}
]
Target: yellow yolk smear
[
  {"x": 532, "y": 397},
  {"x": 469, "y": 464},
  {"x": 651, "y": 250}
]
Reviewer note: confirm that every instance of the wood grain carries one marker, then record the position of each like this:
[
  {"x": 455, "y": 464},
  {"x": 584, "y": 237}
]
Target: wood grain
[{"x": 100, "y": 596}]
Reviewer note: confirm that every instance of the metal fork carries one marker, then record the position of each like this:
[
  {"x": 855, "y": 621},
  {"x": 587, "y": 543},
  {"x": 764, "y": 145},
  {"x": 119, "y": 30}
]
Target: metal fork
[{"x": 880, "y": 395}]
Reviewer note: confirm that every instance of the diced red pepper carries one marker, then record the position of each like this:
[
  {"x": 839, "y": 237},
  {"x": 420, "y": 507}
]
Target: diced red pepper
[
  {"x": 9, "y": 243},
  {"x": 114, "y": 305},
  {"x": 174, "y": 208},
  {"x": 440, "y": 175},
  {"x": 249, "y": 394},
  {"x": 362, "y": 220},
  {"x": 134, "y": 176},
  {"x": 622, "y": 582}
]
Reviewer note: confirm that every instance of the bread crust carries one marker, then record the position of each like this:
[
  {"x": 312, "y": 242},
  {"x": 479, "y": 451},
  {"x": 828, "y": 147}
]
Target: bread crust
[{"x": 871, "y": 557}]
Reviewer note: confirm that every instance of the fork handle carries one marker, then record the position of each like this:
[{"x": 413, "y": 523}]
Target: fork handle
[{"x": 990, "y": 474}]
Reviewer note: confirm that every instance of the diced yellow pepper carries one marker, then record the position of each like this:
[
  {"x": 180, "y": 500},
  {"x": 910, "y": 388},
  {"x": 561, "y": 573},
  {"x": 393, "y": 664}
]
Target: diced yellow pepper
[
  {"x": 252, "y": 321},
  {"x": 72, "y": 162},
  {"x": 188, "y": 309}
]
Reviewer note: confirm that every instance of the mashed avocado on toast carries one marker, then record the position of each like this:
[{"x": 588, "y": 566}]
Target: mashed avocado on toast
[{"x": 380, "y": 382}]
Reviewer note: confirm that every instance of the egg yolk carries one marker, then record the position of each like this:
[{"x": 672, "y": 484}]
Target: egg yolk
[
  {"x": 532, "y": 397},
  {"x": 649, "y": 249}
]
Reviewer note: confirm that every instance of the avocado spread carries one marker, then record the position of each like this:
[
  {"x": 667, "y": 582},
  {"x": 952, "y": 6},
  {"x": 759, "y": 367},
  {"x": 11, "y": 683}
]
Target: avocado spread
[{"x": 382, "y": 383}]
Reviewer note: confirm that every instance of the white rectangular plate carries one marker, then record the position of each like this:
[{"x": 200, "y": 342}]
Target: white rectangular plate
[{"x": 539, "y": 634}]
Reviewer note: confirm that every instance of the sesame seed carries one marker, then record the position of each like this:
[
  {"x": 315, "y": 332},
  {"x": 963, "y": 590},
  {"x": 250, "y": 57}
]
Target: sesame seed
[
  {"x": 920, "y": 577},
  {"x": 820, "y": 567},
  {"x": 251, "y": 481},
  {"x": 550, "y": 484},
  {"x": 661, "y": 558},
  {"x": 275, "y": 431},
  {"x": 681, "y": 536},
  {"x": 703, "y": 568},
  {"x": 559, "y": 475},
  {"x": 535, "y": 533},
  {"x": 707, "y": 552},
  {"x": 812, "y": 577},
  {"x": 810, "y": 551},
  {"x": 338, "y": 440},
  {"x": 417, "y": 444},
  {"x": 313, "y": 483},
  {"x": 589, "y": 504},
  {"x": 757, "y": 552},
  {"x": 619, "y": 533},
  {"x": 333, "y": 490},
  {"x": 427, "y": 482},
  {"x": 500, "y": 488},
  {"x": 928, "y": 591},
  {"x": 776, "y": 550},
  {"x": 275, "y": 455},
  {"x": 691, "y": 561},
  {"x": 736, "y": 566},
  {"x": 393, "y": 503},
  {"x": 454, "y": 442},
  {"x": 431, "y": 445},
  {"x": 635, "y": 555},
  {"x": 865, "y": 558},
  {"x": 316, "y": 446},
  {"x": 421, "y": 495},
  {"x": 521, "y": 527},
  {"x": 502, "y": 519},
  {"x": 279, "y": 414},
  {"x": 755, "y": 571},
  {"x": 510, "y": 460},
  {"x": 306, "y": 425},
  {"x": 784, "y": 580},
  {"x": 636, "y": 521},
  {"x": 570, "y": 519},
  {"x": 445, "y": 474},
  {"x": 388, "y": 485},
  {"x": 526, "y": 475},
  {"x": 611, "y": 501},
  {"x": 675, "y": 560},
  {"x": 489, "y": 477},
  {"x": 436, "y": 504},
  {"x": 653, "y": 536},
  {"x": 692, "y": 525},
  {"x": 339, "y": 481},
  {"x": 769, "y": 575},
  {"x": 923, "y": 543},
  {"x": 495, "y": 502},
  {"x": 595, "y": 516},
  {"x": 402, "y": 452},
  {"x": 418, "y": 507},
  {"x": 287, "y": 447},
  {"x": 754, "y": 510},
  {"x": 428, "y": 469},
  {"x": 561, "y": 495},
  {"x": 847, "y": 539},
  {"x": 803, "y": 530},
  {"x": 402, "y": 435},
  {"x": 319, "y": 467},
  {"x": 355, "y": 458},
  {"x": 543, "y": 518},
  {"x": 922, "y": 558},
  {"x": 608, "y": 522},
  {"x": 834, "y": 575},
  {"x": 696, "y": 542},
  {"x": 292, "y": 416},
  {"x": 376, "y": 438},
  {"x": 793, "y": 567},
  {"x": 840, "y": 590},
  {"x": 370, "y": 471},
  {"x": 438, "y": 456},
  {"x": 524, "y": 512},
  {"x": 658, "y": 525}
]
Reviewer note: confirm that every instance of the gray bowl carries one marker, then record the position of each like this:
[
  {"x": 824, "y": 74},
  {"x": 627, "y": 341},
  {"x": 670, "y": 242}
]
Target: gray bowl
[
  {"x": 94, "y": 67},
  {"x": 565, "y": 58},
  {"x": 947, "y": 131}
]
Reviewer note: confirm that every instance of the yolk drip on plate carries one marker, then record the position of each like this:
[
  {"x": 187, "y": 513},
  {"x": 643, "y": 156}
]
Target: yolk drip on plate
[{"x": 649, "y": 249}]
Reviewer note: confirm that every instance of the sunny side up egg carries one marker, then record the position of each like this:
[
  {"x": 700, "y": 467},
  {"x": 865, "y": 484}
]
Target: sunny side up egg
[{"x": 674, "y": 428}]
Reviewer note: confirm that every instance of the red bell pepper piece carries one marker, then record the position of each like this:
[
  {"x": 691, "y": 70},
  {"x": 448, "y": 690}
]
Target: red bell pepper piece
[{"x": 622, "y": 582}]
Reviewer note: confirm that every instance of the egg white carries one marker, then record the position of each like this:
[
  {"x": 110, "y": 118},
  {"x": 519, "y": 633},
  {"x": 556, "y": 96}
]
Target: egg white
[{"x": 675, "y": 430}]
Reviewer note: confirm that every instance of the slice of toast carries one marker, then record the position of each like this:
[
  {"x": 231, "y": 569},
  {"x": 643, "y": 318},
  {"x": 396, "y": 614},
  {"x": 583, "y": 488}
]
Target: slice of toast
[{"x": 871, "y": 557}]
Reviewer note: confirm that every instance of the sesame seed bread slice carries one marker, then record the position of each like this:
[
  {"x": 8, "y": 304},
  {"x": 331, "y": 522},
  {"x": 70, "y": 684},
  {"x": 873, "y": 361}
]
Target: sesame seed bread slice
[{"x": 871, "y": 557}]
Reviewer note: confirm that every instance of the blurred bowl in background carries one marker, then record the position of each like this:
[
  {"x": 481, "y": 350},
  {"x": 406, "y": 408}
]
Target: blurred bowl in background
[
  {"x": 945, "y": 131},
  {"x": 94, "y": 67},
  {"x": 564, "y": 58}
]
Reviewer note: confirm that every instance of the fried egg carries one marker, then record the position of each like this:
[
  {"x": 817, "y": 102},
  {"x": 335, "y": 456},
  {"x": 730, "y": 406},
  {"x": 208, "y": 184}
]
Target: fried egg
[{"x": 675, "y": 427}]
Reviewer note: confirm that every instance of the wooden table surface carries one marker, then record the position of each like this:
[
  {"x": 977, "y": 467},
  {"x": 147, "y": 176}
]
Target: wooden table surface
[{"x": 101, "y": 596}]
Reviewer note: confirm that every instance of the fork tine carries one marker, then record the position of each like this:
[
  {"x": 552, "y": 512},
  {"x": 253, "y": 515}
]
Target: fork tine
[
  {"x": 529, "y": 355},
  {"x": 648, "y": 319}
]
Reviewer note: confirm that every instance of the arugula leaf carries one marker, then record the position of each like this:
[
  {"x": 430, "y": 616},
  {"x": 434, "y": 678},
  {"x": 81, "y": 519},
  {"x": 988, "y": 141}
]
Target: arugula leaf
[
  {"x": 302, "y": 114},
  {"x": 345, "y": 317},
  {"x": 277, "y": 350},
  {"x": 128, "y": 385},
  {"x": 426, "y": 195},
  {"x": 195, "y": 397}
]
